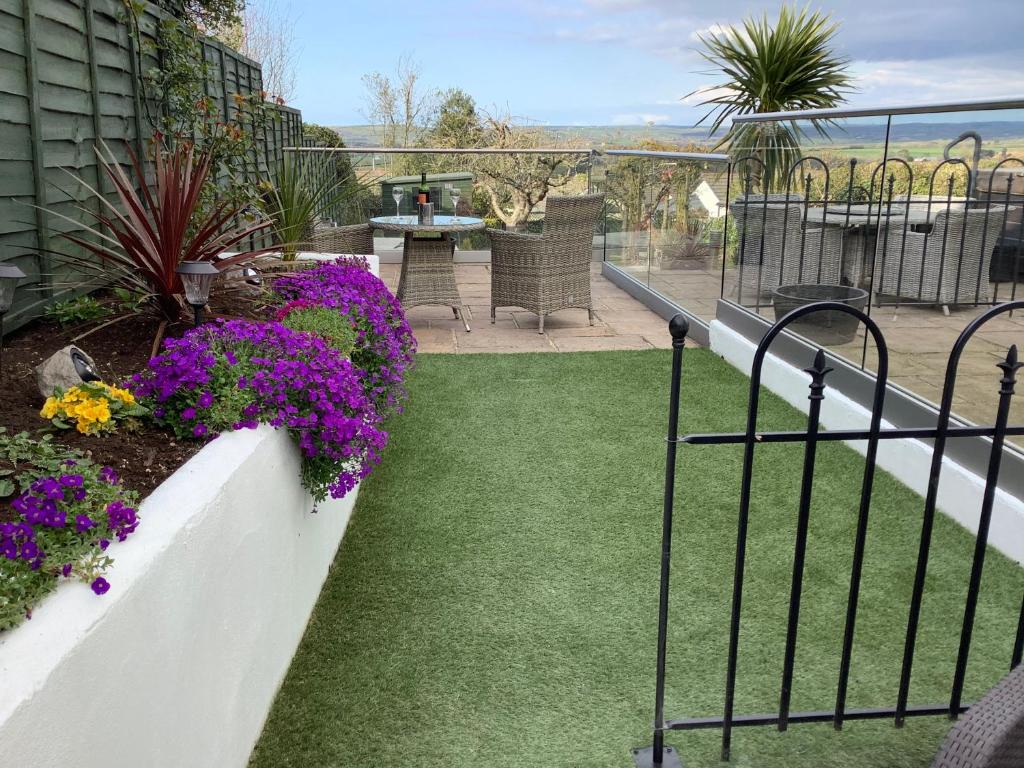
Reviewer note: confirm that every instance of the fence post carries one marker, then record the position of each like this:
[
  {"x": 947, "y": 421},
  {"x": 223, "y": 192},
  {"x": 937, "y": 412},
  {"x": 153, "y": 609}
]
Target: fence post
[
  {"x": 38, "y": 165},
  {"x": 658, "y": 755}
]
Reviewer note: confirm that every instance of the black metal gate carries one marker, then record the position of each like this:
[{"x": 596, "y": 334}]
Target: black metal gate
[{"x": 659, "y": 754}]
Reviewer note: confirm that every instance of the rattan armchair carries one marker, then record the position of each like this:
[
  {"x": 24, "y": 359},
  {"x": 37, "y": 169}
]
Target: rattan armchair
[
  {"x": 775, "y": 248},
  {"x": 550, "y": 271},
  {"x": 949, "y": 265},
  {"x": 355, "y": 239},
  {"x": 991, "y": 734}
]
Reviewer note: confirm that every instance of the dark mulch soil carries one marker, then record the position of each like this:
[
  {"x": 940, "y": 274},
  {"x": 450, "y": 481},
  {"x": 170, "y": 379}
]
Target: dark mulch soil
[{"x": 144, "y": 458}]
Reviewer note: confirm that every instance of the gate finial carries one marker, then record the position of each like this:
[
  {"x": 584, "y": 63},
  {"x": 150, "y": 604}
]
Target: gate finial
[
  {"x": 1010, "y": 366},
  {"x": 818, "y": 371},
  {"x": 678, "y": 326}
]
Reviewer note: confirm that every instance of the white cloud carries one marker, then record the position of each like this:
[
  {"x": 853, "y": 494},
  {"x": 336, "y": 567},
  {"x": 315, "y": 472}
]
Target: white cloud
[
  {"x": 917, "y": 82},
  {"x": 638, "y": 118},
  {"x": 700, "y": 95}
]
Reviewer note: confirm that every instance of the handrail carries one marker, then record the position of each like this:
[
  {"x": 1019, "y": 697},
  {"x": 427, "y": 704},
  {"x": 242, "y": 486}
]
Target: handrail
[
  {"x": 710, "y": 157},
  {"x": 700, "y": 156},
  {"x": 440, "y": 151},
  {"x": 915, "y": 109}
]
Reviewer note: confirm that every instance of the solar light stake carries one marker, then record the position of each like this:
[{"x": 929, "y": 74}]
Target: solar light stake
[{"x": 197, "y": 277}]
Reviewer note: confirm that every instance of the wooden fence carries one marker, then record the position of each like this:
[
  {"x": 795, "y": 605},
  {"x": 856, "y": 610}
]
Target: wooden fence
[{"x": 71, "y": 73}]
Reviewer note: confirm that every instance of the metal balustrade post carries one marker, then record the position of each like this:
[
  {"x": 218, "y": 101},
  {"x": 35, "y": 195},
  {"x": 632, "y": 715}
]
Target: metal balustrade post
[{"x": 658, "y": 755}]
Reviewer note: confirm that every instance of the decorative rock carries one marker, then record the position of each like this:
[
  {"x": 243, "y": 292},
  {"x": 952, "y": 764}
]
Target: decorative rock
[{"x": 59, "y": 370}]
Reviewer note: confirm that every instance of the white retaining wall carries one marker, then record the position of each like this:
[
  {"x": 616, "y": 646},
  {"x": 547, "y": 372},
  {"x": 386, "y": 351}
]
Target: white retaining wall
[
  {"x": 178, "y": 664},
  {"x": 960, "y": 490}
]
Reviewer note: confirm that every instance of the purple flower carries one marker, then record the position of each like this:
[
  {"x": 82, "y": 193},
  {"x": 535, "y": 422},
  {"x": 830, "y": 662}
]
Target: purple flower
[
  {"x": 205, "y": 400},
  {"x": 66, "y": 570},
  {"x": 104, "y": 543},
  {"x": 288, "y": 379},
  {"x": 100, "y": 586},
  {"x": 109, "y": 475},
  {"x": 71, "y": 481},
  {"x": 83, "y": 523}
]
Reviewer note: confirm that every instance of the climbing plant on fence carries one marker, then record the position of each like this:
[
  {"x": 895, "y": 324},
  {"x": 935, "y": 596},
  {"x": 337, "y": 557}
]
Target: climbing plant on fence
[{"x": 75, "y": 71}]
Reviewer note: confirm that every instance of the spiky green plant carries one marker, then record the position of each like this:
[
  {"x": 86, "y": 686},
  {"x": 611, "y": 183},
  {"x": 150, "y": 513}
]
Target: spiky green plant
[
  {"x": 778, "y": 67},
  {"x": 304, "y": 191}
]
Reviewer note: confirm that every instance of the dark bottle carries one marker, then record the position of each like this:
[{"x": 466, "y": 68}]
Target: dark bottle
[{"x": 424, "y": 191}]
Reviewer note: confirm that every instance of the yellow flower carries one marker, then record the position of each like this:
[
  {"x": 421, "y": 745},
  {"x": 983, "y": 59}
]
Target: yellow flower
[
  {"x": 123, "y": 395},
  {"x": 50, "y": 408},
  {"x": 101, "y": 412}
]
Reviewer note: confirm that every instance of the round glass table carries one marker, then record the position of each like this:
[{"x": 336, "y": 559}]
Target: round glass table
[
  {"x": 444, "y": 224},
  {"x": 428, "y": 260}
]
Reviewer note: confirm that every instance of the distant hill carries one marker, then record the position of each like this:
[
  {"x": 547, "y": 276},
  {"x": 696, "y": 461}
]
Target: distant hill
[
  {"x": 857, "y": 133},
  {"x": 591, "y": 135}
]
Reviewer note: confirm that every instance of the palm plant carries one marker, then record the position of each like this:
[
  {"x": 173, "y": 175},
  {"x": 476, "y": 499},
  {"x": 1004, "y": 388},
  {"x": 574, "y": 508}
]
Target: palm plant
[
  {"x": 302, "y": 193},
  {"x": 141, "y": 242},
  {"x": 773, "y": 68}
]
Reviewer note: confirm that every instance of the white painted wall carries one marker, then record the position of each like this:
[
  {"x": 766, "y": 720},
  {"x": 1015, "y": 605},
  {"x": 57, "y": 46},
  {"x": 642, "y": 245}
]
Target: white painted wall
[
  {"x": 178, "y": 664},
  {"x": 960, "y": 490}
]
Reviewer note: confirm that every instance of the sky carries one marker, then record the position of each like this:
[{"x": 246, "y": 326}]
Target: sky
[{"x": 630, "y": 62}]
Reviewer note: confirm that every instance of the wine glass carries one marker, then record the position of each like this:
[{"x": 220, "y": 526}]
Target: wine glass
[
  {"x": 397, "y": 192},
  {"x": 455, "y": 194}
]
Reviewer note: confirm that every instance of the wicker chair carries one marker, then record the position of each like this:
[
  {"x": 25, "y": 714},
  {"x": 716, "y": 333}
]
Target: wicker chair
[
  {"x": 355, "y": 239},
  {"x": 948, "y": 265},
  {"x": 776, "y": 249},
  {"x": 551, "y": 271},
  {"x": 991, "y": 734}
]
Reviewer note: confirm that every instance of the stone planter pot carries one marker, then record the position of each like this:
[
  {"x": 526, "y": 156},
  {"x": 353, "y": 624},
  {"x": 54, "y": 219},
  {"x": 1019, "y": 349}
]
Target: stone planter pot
[{"x": 821, "y": 327}]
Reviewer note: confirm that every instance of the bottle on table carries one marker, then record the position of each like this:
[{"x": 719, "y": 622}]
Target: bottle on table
[{"x": 423, "y": 195}]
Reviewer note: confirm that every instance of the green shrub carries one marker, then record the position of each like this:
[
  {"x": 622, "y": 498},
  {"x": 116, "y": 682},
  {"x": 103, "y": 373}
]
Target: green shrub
[
  {"x": 74, "y": 311},
  {"x": 327, "y": 323}
]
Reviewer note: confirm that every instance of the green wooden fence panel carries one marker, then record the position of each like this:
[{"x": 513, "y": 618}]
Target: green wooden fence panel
[{"x": 70, "y": 76}]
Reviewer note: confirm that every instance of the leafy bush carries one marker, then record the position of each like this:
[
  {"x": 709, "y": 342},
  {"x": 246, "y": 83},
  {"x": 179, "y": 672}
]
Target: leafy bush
[
  {"x": 140, "y": 244},
  {"x": 384, "y": 341},
  {"x": 328, "y": 324},
  {"x": 66, "y": 512},
  {"x": 93, "y": 408},
  {"x": 237, "y": 374},
  {"x": 79, "y": 310}
]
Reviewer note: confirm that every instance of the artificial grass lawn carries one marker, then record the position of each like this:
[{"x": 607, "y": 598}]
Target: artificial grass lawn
[{"x": 493, "y": 602}]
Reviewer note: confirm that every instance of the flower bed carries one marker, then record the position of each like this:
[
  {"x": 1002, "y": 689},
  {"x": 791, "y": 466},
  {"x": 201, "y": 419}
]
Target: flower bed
[
  {"x": 329, "y": 381},
  {"x": 209, "y": 598}
]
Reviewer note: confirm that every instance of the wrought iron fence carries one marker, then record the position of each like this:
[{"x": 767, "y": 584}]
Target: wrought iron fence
[
  {"x": 956, "y": 243},
  {"x": 659, "y": 753}
]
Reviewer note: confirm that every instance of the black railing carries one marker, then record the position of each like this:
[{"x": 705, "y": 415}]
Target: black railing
[
  {"x": 957, "y": 241},
  {"x": 659, "y": 754}
]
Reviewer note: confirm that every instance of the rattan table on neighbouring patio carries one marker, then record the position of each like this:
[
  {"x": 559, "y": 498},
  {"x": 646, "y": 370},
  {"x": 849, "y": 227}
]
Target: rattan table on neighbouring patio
[{"x": 428, "y": 264}]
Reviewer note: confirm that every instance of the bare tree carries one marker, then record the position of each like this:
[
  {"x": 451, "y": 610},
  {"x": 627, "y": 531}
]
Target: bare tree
[
  {"x": 381, "y": 106},
  {"x": 515, "y": 183},
  {"x": 400, "y": 105},
  {"x": 265, "y": 33}
]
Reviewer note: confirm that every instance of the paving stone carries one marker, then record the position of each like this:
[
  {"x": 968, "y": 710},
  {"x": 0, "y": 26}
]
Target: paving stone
[{"x": 600, "y": 343}]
